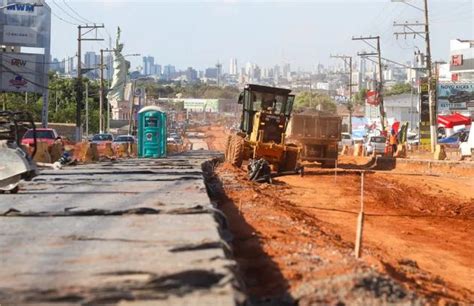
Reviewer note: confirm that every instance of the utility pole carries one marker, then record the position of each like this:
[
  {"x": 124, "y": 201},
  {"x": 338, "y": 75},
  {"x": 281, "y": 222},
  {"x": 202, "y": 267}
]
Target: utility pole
[
  {"x": 409, "y": 29},
  {"x": 348, "y": 60},
  {"x": 87, "y": 109},
  {"x": 79, "y": 93},
  {"x": 132, "y": 105},
  {"x": 101, "y": 92},
  {"x": 380, "y": 86}
]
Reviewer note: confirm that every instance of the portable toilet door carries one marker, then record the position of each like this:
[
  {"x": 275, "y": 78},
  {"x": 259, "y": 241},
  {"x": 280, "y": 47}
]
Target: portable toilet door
[{"x": 152, "y": 132}]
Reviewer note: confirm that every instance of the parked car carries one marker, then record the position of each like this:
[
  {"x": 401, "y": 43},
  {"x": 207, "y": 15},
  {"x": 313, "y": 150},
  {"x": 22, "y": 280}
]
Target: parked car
[
  {"x": 171, "y": 141},
  {"x": 413, "y": 140},
  {"x": 460, "y": 96},
  {"x": 42, "y": 135},
  {"x": 346, "y": 140},
  {"x": 454, "y": 140},
  {"x": 375, "y": 144},
  {"x": 124, "y": 139},
  {"x": 102, "y": 138}
]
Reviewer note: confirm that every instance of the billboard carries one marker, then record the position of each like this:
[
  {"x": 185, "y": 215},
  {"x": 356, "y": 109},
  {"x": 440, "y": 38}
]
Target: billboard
[
  {"x": 455, "y": 97},
  {"x": 25, "y": 25}
]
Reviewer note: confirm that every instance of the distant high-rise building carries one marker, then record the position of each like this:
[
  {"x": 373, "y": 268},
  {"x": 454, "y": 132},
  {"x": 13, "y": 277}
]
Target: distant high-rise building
[
  {"x": 156, "y": 70},
  {"x": 287, "y": 71},
  {"x": 109, "y": 66},
  {"x": 169, "y": 72},
  {"x": 249, "y": 69},
  {"x": 69, "y": 66},
  {"x": 55, "y": 65},
  {"x": 276, "y": 71},
  {"x": 211, "y": 73},
  {"x": 233, "y": 68},
  {"x": 191, "y": 75},
  {"x": 91, "y": 61},
  {"x": 148, "y": 63}
]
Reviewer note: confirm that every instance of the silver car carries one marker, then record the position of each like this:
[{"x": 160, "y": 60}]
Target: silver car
[{"x": 375, "y": 144}]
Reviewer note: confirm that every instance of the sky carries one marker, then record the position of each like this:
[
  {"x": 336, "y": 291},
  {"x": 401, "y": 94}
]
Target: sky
[{"x": 302, "y": 33}]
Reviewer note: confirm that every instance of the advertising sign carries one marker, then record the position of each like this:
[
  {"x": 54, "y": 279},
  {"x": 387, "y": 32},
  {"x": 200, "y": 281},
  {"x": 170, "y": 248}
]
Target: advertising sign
[
  {"x": 13, "y": 82},
  {"x": 372, "y": 98},
  {"x": 25, "y": 25},
  {"x": 455, "y": 97},
  {"x": 16, "y": 35},
  {"x": 20, "y": 63},
  {"x": 201, "y": 105},
  {"x": 24, "y": 9}
]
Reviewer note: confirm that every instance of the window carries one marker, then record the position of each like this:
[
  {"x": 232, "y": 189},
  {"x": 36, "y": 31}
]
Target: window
[
  {"x": 151, "y": 122},
  {"x": 40, "y": 134}
]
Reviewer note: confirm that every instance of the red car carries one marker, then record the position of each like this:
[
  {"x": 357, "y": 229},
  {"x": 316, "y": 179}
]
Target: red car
[{"x": 42, "y": 135}]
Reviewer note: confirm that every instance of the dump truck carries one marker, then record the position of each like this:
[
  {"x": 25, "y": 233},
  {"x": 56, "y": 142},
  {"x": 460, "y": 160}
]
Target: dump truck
[
  {"x": 266, "y": 112},
  {"x": 318, "y": 135}
]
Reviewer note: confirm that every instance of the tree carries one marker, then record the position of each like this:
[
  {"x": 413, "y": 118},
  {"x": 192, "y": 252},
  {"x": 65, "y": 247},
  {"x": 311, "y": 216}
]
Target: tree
[
  {"x": 314, "y": 100},
  {"x": 398, "y": 89},
  {"x": 359, "y": 97}
]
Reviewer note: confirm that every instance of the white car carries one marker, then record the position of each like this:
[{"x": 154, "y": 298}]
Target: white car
[
  {"x": 375, "y": 144},
  {"x": 346, "y": 140}
]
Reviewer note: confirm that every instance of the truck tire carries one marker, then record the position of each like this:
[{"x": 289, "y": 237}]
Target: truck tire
[{"x": 236, "y": 154}]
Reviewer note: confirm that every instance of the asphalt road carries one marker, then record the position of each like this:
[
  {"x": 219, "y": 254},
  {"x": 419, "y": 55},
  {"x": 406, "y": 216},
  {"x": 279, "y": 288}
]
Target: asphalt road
[{"x": 133, "y": 231}]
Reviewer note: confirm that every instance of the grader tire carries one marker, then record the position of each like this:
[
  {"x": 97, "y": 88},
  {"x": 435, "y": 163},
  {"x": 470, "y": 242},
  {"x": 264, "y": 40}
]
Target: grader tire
[
  {"x": 236, "y": 154},
  {"x": 227, "y": 147}
]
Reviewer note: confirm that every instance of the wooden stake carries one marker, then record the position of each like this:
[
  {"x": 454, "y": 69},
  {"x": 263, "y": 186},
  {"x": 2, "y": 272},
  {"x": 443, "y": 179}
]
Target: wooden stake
[{"x": 360, "y": 221}]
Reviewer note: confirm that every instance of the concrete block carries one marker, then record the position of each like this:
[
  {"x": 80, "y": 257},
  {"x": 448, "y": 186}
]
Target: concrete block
[
  {"x": 345, "y": 150},
  {"x": 401, "y": 151},
  {"x": 121, "y": 150},
  {"x": 105, "y": 150},
  {"x": 56, "y": 151},
  {"x": 440, "y": 153},
  {"x": 86, "y": 152},
  {"x": 133, "y": 150},
  {"x": 42, "y": 153},
  {"x": 358, "y": 150}
]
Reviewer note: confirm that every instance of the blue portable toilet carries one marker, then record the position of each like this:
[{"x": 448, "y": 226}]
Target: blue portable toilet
[{"x": 152, "y": 134}]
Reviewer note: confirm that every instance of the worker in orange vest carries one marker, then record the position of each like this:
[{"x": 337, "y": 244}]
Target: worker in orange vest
[{"x": 393, "y": 141}]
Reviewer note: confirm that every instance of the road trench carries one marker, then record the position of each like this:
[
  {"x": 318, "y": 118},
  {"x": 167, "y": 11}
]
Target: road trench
[{"x": 294, "y": 240}]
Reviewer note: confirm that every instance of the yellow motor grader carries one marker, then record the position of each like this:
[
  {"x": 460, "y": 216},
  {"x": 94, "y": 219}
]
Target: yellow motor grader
[{"x": 266, "y": 112}]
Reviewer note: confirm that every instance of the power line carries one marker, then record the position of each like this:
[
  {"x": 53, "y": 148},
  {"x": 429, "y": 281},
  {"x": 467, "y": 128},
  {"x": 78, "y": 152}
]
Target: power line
[
  {"x": 62, "y": 19},
  {"x": 76, "y": 13},
  {"x": 66, "y": 12}
]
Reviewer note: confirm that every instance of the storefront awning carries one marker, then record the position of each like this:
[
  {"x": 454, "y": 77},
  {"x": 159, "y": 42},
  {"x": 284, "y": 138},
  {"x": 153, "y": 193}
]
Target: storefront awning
[{"x": 450, "y": 121}]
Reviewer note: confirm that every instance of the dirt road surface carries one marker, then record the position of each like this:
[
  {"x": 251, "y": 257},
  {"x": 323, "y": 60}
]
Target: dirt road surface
[{"x": 294, "y": 240}]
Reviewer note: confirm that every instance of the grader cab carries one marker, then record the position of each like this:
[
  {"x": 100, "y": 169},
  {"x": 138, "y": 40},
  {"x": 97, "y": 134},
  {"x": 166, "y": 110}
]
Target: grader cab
[{"x": 266, "y": 112}]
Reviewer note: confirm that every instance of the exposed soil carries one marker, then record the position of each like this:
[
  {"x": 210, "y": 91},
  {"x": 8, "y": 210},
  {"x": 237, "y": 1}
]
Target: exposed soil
[{"x": 294, "y": 239}]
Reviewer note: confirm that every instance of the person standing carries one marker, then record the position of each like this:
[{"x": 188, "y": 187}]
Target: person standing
[{"x": 393, "y": 141}]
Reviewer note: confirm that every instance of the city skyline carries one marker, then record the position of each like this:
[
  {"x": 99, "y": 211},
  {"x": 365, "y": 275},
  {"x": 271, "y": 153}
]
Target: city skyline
[{"x": 213, "y": 31}]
